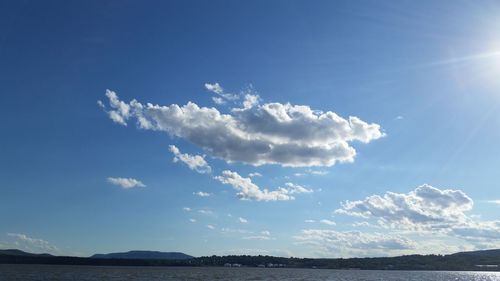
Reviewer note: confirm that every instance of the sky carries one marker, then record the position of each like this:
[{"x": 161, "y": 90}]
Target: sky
[{"x": 285, "y": 128}]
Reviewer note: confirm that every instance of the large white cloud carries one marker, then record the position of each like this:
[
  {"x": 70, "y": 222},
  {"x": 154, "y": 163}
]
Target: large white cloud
[
  {"x": 426, "y": 209},
  {"x": 194, "y": 162},
  {"x": 271, "y": 133},
  {"x": 126, "y": 183}
]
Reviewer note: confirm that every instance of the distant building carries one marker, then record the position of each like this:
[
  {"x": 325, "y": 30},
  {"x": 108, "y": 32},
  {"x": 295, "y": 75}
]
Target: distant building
[{"x": 487, "y": 265}]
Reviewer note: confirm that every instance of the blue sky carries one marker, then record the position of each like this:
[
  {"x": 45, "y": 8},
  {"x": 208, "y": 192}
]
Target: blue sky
[{"x": 369, "y": 128}]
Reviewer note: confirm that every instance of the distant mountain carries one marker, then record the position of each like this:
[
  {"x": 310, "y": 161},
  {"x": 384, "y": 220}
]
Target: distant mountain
[
  {"x": 486, "y": 260},
  {"x": 16, "y": 252},
  {"x": 144, "y": 255},
  {"x": 482, "y": 253}
]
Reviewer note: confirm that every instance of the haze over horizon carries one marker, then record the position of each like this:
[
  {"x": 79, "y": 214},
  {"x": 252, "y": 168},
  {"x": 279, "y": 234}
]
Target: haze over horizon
[{"x": 331, "y": 129}]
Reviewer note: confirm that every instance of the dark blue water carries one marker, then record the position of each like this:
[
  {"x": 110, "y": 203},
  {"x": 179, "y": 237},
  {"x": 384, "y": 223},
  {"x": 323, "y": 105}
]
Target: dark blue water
[{"x": 98, "y": 273}]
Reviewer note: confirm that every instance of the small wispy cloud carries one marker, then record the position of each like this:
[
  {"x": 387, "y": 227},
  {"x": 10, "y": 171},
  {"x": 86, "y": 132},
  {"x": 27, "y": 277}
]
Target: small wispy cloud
[
  {"x": 256, "y": 174},
  {"x": 205, "y": 212},
  {"x": 263, "y": 235},
  {"x": 327, "y": 222},
  {"x": 192, "y": 220},
  {"x": 202, "y": 194},
  {"x": 257, "y": 237},
  {"x": 209, "y": 226},
  {"x": 187, "y": 209},
  {"x": 318, "y": 172},
  {"x": 242, "y": 220},
  {"x": 295, "y": 188},
  {"x": 216, "y": 88},
  {"x": 494, "y": 202},
  {"x": 126, "y": 183},
  {"x": 311, "y": 172}
]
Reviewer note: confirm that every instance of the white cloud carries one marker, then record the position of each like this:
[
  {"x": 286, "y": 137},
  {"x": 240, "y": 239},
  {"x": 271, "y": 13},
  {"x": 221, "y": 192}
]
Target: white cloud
[
  {"x": 120, "y": 111},
  {"x": 295, "y": 188},
  {"x": 317, "y": 172},
  {"x": 257, "y": 237},
  {"x": 202, "y": 194},
  {"x": 194, "y": 162},
  {"x": 232, "y": 230},
  {"x": 242, "y": 220},
  {"x": 494, "y": 202},
  {"x": 217, "y": 89},
  {"x": 264, "y": 235},
  {"x": 210, "y": 226},
  {"x": 187, "y": 209},
  {"x": 218, "y": 100},
  {"x": 399, "y": 117},
  {"x": 192, "y": 220},
  {"x": 30, "y": 244},
  {"x": 362, "y": 224},
  {"x": 309, "y": 221},
  {"x": 426, "y": 209},
  {"x": 256, "y": 174},
  {"x": 353, "y": 243},
  {"x": 126, "y": 182},
  {"x": 205, "y": 212},
  {"x": 311, "y": 172},
  {"x": 327, "y": 222},
  {"x": 250, "y": 101},
  {"x": 271, "y": 133},
  {"x": 247, "y": 190}
]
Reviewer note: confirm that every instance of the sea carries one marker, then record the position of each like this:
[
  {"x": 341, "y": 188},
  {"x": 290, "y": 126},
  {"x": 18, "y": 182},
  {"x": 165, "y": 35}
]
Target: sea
[{"x": 104, "y": 273}]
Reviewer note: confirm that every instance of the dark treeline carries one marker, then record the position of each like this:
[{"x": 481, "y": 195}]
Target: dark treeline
[{"x": 411, "y": 262}]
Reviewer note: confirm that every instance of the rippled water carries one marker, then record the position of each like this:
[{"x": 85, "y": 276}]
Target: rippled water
[{"x": 94, "y": 273}]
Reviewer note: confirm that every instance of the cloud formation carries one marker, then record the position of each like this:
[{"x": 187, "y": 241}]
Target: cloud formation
[
  {"x": 263, "y": 235},
  {"x": 271, "y": 133},
  {"x": 201, "y": 194},
  {"x": 30, "y": 244},
  {"x": 349, "y": 243},
  {"x": 295, "y": 188},
  {"x": 425, "y": 209},
  {"x": 247, "y": 190},
  {"x": 194, "y": 162},
  {"x": 327, "y": 222},
  {"x": 223, "y": 96},
  {"x": 126, "y": 183}
]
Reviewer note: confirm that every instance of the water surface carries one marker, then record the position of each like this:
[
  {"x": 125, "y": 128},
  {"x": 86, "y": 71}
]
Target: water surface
[{"x": 98, "y": 273}]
